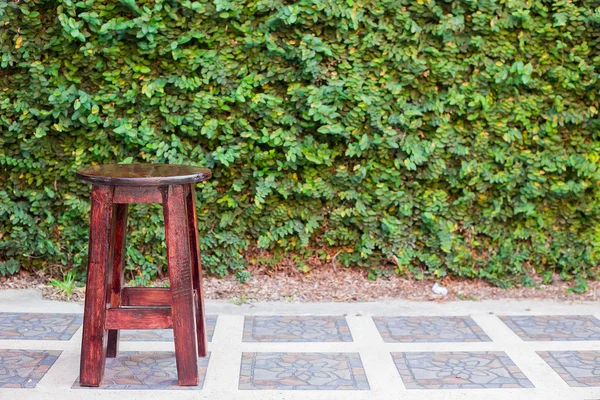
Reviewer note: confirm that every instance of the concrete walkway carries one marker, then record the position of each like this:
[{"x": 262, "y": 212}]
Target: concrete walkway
[{"x": 389, "y": 350}]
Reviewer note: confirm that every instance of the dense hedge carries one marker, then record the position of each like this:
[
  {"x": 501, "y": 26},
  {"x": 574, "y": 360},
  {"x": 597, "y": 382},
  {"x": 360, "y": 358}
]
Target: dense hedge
[{"x": 452, "y": 137}]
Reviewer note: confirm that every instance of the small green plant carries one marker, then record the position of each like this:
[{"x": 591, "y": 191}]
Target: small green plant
[
  {"x": 581, "y": 286},
  {"x": 9, "y": 267},
  {"x": 547, "y": 277},
  {"x": 243, "y": 276},
  {"x": 527, "y": 281},
  {"x": 239, "y": 301},
  {"x": 305, "y": 269},
  {"x": 67, "y": 284},
  {"x": 466, "y": 297},
  {"x": 377, "y": 273},
  {"x": 139, "y": 280}
]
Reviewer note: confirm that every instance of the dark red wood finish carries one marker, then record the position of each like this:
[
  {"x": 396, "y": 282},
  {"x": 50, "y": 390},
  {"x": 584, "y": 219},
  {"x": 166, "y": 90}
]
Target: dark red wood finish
[
  {"x": 137, "y": 195},
  {"x": 118, "y": 270},
  {"x": 196, "y": 269},
  {"x": 93, "y": 348},
  {"x": 137, "y": 296},
  {"x": 139, "y": 318},
  {"x": 182, "y": 289},
  {"x": 109, "y": 307}
]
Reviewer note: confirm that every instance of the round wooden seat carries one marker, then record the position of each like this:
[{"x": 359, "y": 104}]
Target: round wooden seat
[{"x": 142, "y": 174}]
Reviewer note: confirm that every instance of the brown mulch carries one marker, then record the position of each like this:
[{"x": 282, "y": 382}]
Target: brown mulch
[
  {"x": 353, "y": 286},
  {"x": 337, "y": 285}
]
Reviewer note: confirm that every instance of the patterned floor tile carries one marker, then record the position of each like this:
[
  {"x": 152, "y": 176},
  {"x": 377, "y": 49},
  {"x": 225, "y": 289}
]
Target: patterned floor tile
[
  {"x": 429, "y": 329},
  {"x": 25, "y": 368},
  {"x": 28, "y": 326},
  {"x": 459, "y": 370},
  {"x": 302, "y": 371},
  {"x": 164, "y": 335},
  {"x": 296, "y": 329},
  {"x": 576, "y": 368},
  {"x": 554, "y": 327},
  {"x": 145, "y": 371}
]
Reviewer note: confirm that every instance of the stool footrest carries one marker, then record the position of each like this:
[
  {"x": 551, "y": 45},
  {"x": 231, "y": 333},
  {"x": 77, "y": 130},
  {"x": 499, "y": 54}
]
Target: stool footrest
[
  {"x": 141, "y": 296},
  {"x": 139, "y": 318}
]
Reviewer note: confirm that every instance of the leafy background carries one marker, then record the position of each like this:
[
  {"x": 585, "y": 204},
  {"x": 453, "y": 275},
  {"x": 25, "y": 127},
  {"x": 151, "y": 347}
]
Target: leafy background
[{"x": 450, "y": 137}]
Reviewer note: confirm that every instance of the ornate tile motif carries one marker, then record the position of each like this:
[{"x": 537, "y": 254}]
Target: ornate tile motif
[
  {"x": 296, "y": 329},
  {"x": 576, "y": 368},
  {"x": 554, "y": 327},
  {"x": 302, "y": 371},
  {"x": 429, "y": 329},
  {"x": 29, "y": 326},
  {"x": 145, "y": 371},
  {"x": 459, "y": 370},
  {"x": 164, "y": 335},
  {"x": 25, "y": 368}
]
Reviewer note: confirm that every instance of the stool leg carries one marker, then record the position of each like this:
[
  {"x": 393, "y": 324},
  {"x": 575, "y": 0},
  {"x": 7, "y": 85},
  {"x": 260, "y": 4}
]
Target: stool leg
[
  {"x": 94, "y": 335},
  {"x": 196, "y": 270},
  {"x": 118, "y": 270},
  {"x": 180, "y": 277}
]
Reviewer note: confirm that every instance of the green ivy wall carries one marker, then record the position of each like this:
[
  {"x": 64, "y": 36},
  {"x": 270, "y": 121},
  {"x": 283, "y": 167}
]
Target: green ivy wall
[{"x": 457, "y": 137}]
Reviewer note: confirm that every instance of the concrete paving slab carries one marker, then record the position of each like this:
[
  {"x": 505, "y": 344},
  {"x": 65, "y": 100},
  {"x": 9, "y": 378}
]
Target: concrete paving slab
[{"x": 471, "y": 348}]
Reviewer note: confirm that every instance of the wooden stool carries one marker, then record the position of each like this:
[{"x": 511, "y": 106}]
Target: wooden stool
[{"x": 109, "y": 307}]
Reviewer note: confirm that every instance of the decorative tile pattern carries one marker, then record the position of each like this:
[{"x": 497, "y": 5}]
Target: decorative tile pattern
[
  {"x": 145, "y": 371},
  {"x": 459, "y": 370},
  {"x": 164, "y": 335},
  {"x": 554, "y": 327},
  {"x": 27, "y": 326},
  {"x": 302, "y": 371},
  {"x": 25, "y": 368},
  {"x": 296, "y": 329},
  {"x": 429, "y": 329},
  {"x": 576, "y": 368}
]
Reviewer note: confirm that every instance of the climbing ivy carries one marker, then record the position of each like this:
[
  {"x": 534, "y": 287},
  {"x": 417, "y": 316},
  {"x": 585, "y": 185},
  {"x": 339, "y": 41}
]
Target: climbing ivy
[{"x": 443, "y": 137}]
